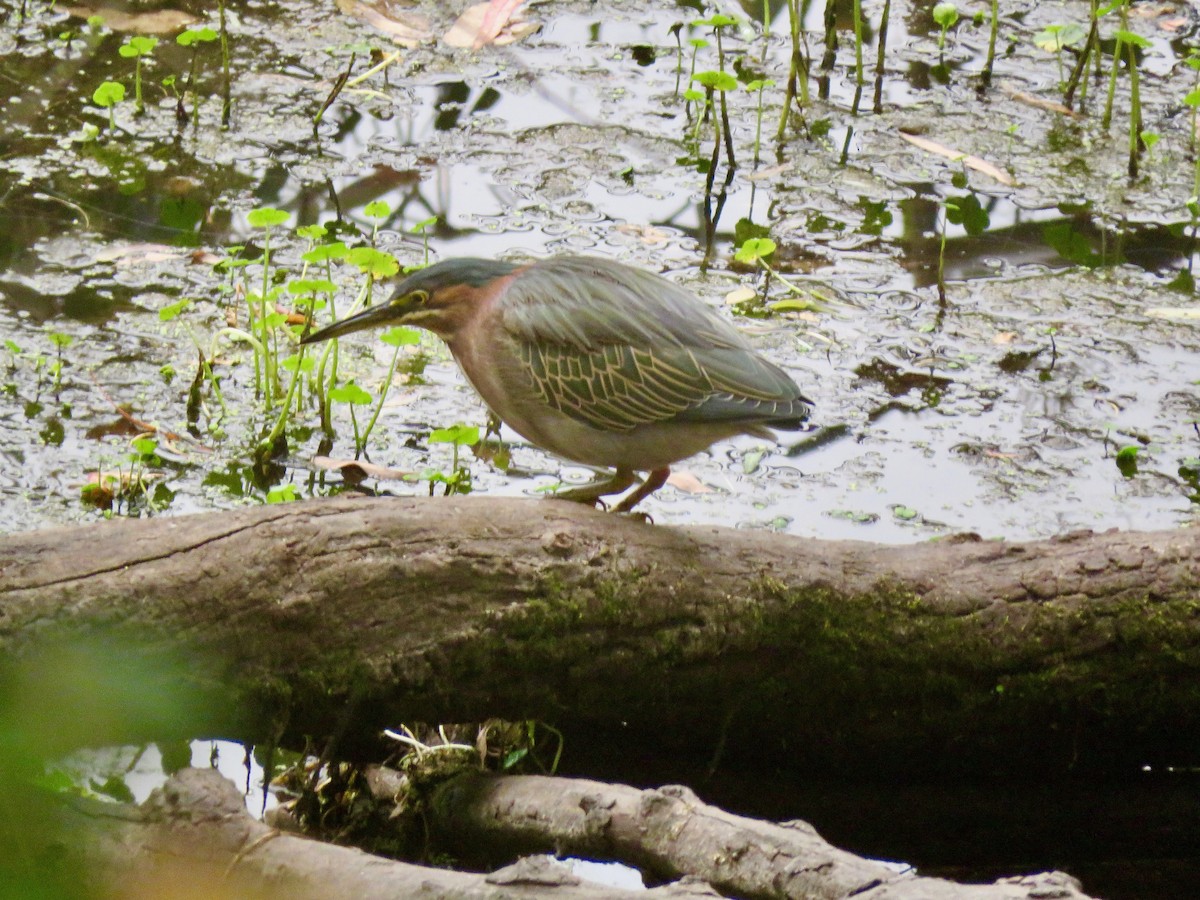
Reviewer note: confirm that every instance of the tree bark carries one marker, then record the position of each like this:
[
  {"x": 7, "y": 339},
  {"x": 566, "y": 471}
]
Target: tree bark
[
  {"x": 194, "y": 838},
  {"x": 670, "y": 833},
  {"x": 351, "y": 614},
  {"x": 195, "y": 832}
]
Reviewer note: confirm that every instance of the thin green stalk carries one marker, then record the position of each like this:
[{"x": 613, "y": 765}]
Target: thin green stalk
[
  {"x": 226, "y": 95},
  {"x": 724, "y": 105},
  {"x": 831, "y": 41},
  {"x": 1106, "y": 120},
  {"x": 884, "y": 18},
  {"x": 378, "y": 67},
  {"x": 678, "y": 57},
  {"x": 1135, "y": 113},
  {"x": 941, "y": 268},
  {"x": 794, "y": 71},
  {"x": 859, "y": 77},
  {"x": 281, "y": 422},
  {"x": 1078, "y": 77},
  {"x": 986, "y": 78},
  {"x": 758, "y": 124},
  {"x": 138, "y": 105},
  {"x": 383, "y": 392},
  {"x": 359, "y": 445},
  {"x": 268, "y": 368},
  {"x": 330, "y": 353}
]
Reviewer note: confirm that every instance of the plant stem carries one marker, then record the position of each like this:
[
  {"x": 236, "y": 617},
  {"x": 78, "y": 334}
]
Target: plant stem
[
  {"x": 226, "y": 96},
  {"x": 859, "y": 78},
  {"x": 138, "y": 106},
  {"x": 986, "y": 77},
  {"x": 884, "y": 17},
  {"x": 1112, "y": 78},
  {"x": 1135, "y": 113},
  {"x": 383, "y": 392},
  {"x": 941, "y": 269}
]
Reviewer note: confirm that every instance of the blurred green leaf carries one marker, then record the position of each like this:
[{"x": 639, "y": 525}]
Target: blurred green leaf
[
  {"x": 266, "y": 216},
  {"x": 349, "y": 393},
  {"x": 459, "y": 435},
  {"x": 399, "y": 336},
  {"x": 373, "y": 262}
]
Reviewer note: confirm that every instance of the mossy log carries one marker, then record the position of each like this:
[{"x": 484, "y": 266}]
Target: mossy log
[
  {"x": 193, "y": 836},
  {"x": 347, "y": 615}
]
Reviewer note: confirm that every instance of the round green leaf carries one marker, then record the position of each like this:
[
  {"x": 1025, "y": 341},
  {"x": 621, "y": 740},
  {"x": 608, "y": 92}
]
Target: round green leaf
[
  {"x": 266, "y": 216},
  {"x": 110, "y": 93},
  {"x": 349, "y": 393},
  {"x": 399, "y": 336},
  {"x": 459, "y": 435},
  {"x": 718, "y": 81},
  {"x": 754, "y": 249},
  {"x": 310, "y": 286},
  {"x": 373, "y": 262},
  {"x": 325, "y": 252}
]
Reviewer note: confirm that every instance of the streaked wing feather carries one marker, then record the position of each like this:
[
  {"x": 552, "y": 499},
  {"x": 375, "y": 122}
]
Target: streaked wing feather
[{"x": 616, "y": 348}]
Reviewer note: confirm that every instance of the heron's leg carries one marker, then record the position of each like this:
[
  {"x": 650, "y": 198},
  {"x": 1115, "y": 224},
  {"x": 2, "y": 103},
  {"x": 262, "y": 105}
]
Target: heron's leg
[
  {"x": 653, "y": 482},
  {"x": 591, "y": 493}
]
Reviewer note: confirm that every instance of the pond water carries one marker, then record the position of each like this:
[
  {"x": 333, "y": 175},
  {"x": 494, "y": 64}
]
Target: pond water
[
  {"x": 1055, "y": 385},
  {"x": 1000, "y": 410}
]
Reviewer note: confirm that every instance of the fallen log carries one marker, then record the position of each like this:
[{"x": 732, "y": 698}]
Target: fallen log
[
  {"x": 195, "y": 831},
  {"x": 194, "y": 838},
  {"x": 351, "y": 614},
  {"x": 671, "y": 833}
]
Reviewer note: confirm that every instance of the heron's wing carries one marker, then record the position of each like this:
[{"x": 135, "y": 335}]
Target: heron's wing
[{"x": 617, "y": 348}]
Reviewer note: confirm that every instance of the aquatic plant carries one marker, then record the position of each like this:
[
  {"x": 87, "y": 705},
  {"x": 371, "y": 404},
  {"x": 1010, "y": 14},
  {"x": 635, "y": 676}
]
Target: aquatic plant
[
  {"x": 107, "y": 96},
  {"x": 798, "y": 65},
  {"x": 194, "y": 38},
  {"x": 458, "y": 481},
  {"x": 138, "y": 47},
  {"x": 985, "y": 77},
  {"x": 945, "y": 15}
]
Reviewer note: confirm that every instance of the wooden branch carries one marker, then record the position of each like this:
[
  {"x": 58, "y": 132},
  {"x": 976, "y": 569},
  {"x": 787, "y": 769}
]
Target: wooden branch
[
  {"x": 351, "y": 614},
  {"x": 669, "y": 832},
  {"x": 195, "y": 831}
]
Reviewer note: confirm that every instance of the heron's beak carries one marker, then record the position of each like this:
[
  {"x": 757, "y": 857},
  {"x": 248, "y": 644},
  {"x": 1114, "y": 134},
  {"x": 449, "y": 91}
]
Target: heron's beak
[{"x": 374, "y": 317}]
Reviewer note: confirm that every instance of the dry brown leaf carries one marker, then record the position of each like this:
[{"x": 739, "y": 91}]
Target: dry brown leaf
[
  {"x": 1041, "y": 103},
  {"x": 770, "y": 171},
  {"x": 740, "y": 295},
  {"x": 350, "y": 468},
  {"x": 204, "y": 258},
  {"x": 647, "y": 234},
  {"x": 404, "y": 27},
  {"x": 293, "y": 317},
  {"x": 163, "y": 21},
  {"x": 1005, "y": 337},
  {"x": 498, "y": 14},
  {"x": 468, "y": 29},
  {"x": 687, "y": 482},
  {"x": 132, "y": 254},
  {"x": 972, "y": 162},
  {"x": 1175, "y": 313}
]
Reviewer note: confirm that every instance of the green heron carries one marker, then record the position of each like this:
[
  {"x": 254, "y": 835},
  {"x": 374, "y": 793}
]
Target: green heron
[{"x": 594, "y": 361}]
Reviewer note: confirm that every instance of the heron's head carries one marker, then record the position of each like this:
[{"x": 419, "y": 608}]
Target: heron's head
[{"x": 441, "y": 298}]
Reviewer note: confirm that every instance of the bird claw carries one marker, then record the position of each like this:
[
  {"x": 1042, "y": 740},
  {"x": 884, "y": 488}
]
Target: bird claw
[{"x": 642, "y": 517}]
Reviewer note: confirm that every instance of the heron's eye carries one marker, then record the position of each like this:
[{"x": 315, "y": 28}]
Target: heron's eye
[{"x": 416, "y": 298}]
